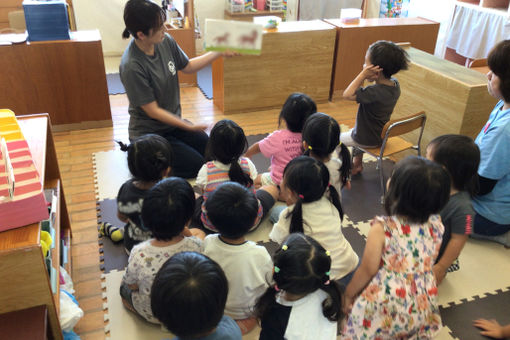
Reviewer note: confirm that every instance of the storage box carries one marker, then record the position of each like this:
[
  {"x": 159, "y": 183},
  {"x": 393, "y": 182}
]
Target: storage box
[
  {"x": 234, "y": 6},
  {"x": 46, "y": 20}
]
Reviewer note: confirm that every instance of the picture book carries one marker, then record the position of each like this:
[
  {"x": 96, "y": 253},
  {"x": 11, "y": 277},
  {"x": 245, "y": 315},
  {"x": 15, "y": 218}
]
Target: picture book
[{"x": 235, "y": 36}]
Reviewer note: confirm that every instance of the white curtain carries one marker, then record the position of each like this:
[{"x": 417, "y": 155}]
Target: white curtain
[{"x": 324, "y": 9}]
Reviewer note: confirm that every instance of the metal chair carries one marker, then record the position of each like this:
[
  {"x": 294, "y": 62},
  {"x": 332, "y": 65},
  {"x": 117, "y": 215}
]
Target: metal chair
[{"x": 393, "y": 144}]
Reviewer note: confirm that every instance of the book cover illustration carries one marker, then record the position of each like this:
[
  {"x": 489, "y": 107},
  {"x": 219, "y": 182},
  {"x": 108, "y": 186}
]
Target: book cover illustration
[
  {"x": 235, "y": 36},
  {"x": 26, "y": 204}
]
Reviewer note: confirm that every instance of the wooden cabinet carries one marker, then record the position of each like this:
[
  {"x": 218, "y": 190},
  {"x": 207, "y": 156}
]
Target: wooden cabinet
[
  {"x": 25, "y": 281},
  {"x": 65, "y": 78},
  {"x": 296, "y": 57},
  {"x": 185, "y": 38}
]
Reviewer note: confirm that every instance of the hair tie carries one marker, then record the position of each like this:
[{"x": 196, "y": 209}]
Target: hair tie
[
  {"x": 328, "y": 253},
  {"x": 326, "y": 283},
  {"x": 309, "y": 147},
  {"x": 301, "y": 196},
  {"x": 285, "y": 247},
  {"x": 340, "y": 143},
  {"x": 276, "y": 287},
  {"x": 276, "y": 269},
  {"x": 328, "y": 272}
]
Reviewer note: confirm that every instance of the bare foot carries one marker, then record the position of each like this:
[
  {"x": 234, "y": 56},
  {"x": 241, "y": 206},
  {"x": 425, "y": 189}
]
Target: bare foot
[{"x": 356, "y": 170}]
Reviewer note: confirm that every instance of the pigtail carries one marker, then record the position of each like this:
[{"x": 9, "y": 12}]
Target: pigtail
[
  {"x": 237, "y": 174},
  {"x": 332, "y": 307},
  {"x": 345, "y": 169},
  {"x": 265, "y": 302},
  {"x": 123, "y": 147},
  {"x": 473, "y": 185},
  {"x": 125, "y": 34},
  {"x": 296, "y": 222},
  {"x": 334, "y": 198}
]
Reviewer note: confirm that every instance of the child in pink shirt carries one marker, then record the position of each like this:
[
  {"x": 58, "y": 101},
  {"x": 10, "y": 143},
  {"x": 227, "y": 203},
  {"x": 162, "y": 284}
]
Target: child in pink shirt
[{"x": 284, "y": 145}]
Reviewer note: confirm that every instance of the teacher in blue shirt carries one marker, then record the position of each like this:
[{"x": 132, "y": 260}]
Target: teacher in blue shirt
[{"x": 492, "y": 204}]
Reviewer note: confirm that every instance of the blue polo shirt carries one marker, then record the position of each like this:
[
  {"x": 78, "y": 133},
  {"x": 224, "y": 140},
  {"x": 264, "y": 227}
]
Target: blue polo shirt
[{"x": 494, "y": 144}]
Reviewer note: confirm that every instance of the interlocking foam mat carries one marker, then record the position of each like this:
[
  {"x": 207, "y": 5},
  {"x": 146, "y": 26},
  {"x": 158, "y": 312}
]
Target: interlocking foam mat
[{"x": 480, "y": 289}]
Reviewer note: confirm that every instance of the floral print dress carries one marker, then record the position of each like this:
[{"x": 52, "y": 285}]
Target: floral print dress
[{"x": 400, "y": 302}]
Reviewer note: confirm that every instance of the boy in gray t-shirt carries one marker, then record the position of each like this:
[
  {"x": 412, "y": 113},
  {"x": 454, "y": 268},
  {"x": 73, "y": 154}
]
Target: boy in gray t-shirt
[{"x": 376, "y": 102}]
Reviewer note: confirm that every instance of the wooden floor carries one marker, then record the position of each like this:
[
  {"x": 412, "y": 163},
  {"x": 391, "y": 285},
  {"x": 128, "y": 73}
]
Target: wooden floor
[{"x": 75, "y": 150}]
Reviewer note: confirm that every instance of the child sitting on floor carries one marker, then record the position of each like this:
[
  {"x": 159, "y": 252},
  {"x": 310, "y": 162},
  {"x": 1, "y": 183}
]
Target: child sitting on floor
[
  {"x": 460, "y": 156},
  {"x": 285, "y": 144},
  {"x": 304, "y": 303},
  {"x": 376, "y": 102},
  {"x": 232, "y": 209},
  {"x": 393, "y": 293},
  {"x": 149, "y": 159},
  {"x": 310, "y": 211},
  {"x": 166, "y": 211},
  {"x": 321, "y": 134},
  {"x": 188, "y": 297},
  {"x": 225, "y": 147}
]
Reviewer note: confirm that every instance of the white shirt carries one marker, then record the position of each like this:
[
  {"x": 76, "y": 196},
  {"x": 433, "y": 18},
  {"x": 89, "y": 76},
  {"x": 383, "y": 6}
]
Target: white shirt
[
  {"x": 306, "y": 320},
  {"x": 144, "y": 262},
  {"x": 248, "y": 268},
  {"x": 322, "y": 222},
  {"x": 334, "y": 164}
]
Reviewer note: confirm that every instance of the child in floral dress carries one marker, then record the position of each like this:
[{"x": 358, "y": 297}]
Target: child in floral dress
[{"x": 393, "y": 294}]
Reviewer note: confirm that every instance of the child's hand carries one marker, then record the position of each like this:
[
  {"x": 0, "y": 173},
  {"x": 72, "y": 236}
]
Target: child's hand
[
  {"x": 371, "y": 72},
  {"x": 347, "y": 306},
  {"x": 439, "y": 273},
  {"x": 489, "y": 328},
  {"x": 347, "y": 185}
]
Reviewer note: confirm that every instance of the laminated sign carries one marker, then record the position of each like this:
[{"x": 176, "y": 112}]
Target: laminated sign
[
  {"x": 22, "y": 200},
  {"x": 235, "y": 36}
]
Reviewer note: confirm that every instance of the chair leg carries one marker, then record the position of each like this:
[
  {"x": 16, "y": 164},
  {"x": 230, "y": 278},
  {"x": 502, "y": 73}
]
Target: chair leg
[{"x": 381, "y": 178}]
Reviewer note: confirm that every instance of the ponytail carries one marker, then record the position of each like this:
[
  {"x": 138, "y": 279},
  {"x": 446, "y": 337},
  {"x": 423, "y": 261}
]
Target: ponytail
[
  {"x": 125, "y": 33},
  {"x": 332, "y": 307},
  {"x": 123, "y": 147},
  {"x": 345, "y": 169},
  {"x": 265, "y": 301},
  {"x": 334, "y": 198},
  {"x": 237, "y": 174},
  {"x": 296, "y": 222}
]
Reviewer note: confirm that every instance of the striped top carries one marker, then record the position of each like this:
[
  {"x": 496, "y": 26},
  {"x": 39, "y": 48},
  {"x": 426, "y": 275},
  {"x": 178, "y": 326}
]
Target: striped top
[{"x": 213, "y": 174}]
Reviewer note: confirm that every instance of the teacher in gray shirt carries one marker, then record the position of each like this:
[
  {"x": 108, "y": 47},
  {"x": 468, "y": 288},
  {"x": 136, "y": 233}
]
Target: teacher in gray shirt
[{"x": 148, "y": 71}]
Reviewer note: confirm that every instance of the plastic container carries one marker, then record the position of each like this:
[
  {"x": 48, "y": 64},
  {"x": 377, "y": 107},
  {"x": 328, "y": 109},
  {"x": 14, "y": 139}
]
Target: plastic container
[
  {"x": 46, "y": 20},
  {"x": 350, "y": 15}
]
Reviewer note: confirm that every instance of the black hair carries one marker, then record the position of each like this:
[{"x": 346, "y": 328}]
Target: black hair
[
  {"x": 388, "y": 56},
  {"x": 296, "y": 110},
  {"x": 142, "y": 16},
  {"x": 308, "y": 178},
  {"x": 148, "y": 157},
  {"x": 188, "y": 294},
  {"x": 226, "y": 144},
  {"x": 322, "y": 134},
  {"x": 417, "y": 189},
  {"x": 461, "y": 157},
  {"x": 232, "y": 209},
  {"x": 167, "y": 207},
  {"x": 499, "y": 64},
  {"x": 301, "y": 266}
]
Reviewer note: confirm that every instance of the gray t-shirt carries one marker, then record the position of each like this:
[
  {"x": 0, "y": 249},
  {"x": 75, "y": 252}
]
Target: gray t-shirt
[
  {"x": 457, "y": 217},
  {"x": 152, "y": 78},
  {"x": 376, "y": 104}
]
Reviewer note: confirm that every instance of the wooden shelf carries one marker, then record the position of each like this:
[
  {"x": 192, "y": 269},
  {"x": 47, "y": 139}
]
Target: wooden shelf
[
  {"x": 248, "y": 16},
  {"x": 25, "y": 281}
]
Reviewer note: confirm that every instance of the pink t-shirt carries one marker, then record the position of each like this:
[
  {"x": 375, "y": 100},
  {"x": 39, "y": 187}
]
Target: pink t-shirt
[{"x": 281, "y": 146}]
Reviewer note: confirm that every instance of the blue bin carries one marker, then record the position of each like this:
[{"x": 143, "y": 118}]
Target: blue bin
[{"x": 46, "y": 20}]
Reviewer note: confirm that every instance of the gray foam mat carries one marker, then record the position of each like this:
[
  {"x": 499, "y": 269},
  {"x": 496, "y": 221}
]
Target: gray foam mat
[
  {"x": 114, "y": 84},
  {"x": 204, "y": 81},
  {"x": 459, "y": 317},
  {"x": 114, "y": 255},
  {"x": 261, "y": 163},
  {"x": 362, "y": 202}
]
